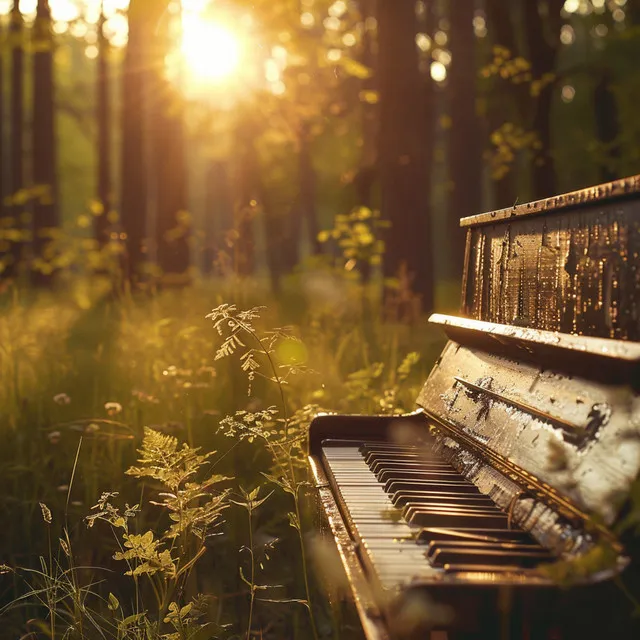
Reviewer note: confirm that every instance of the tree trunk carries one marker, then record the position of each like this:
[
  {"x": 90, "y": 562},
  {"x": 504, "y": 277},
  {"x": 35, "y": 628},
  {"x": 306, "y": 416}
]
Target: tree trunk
[
  {"x": 465, "y": 147},
  {"x": 172, "y": 225},
  {"x": 607, "y": 127},
  {"x": 218, "y": 213},
  {"x": 5, "y": 219},
  {"x": 307, "y": 178},
  {"x": 134, "y": 157},
  {"x": 45, "y": 210},
  {"x": 173, "y": 228},
  {"x": 365, "y": 178},
  {"x": 403, "y": 154},
  {"x": 505, "y": 102},
  {"x": 543, "y": 42},
  {"x": 248, "y": 192},
  {"x": 103, "y": 115},
  {"x": 16, "y": 131}
]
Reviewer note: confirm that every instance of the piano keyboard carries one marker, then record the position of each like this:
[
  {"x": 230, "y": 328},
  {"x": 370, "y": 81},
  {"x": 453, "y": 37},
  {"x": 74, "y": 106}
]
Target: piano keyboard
[{"x": 418, "y": 519}]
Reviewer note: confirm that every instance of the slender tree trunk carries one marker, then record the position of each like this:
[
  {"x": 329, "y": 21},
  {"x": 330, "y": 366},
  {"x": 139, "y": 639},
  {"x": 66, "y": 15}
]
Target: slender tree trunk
[
  {"x": 366, "y": 176},
  {"x": 103, "y": 115},
  {"x": 505, "y": 102},
  {"x": 543, "y": 42},
  {"x": 173, "y": 226},
  {"x": 134, "y": 157},
  {"x": 403, "y": 156},
  {"x": 248, "y": 193},
  {"x": 465, "y": 147},
  {"x": 307, "y": 178},
  {"x": 16, "y": 132},
  {"x": 45, "y": 210},
  {"x": 219, "y": 213},
  {"x": 5, "y": 219},
  {"x": 367, "y": 171},
  {"x": 607, "y": 126}
]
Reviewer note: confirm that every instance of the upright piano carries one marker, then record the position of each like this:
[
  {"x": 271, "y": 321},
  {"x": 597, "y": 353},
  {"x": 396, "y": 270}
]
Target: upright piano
[{"x": 506, "y": 505}]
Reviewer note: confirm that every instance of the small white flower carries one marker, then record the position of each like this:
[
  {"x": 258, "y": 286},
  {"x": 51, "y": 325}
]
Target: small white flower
[
  {"x": 61, "y": 398},
  {"x": 54, "y": 437},
  {"x": 113, "y": 408}
]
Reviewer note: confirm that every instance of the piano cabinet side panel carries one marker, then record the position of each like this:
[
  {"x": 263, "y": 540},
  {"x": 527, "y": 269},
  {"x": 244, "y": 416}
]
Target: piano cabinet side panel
[
  {"x": 575, "y": 271},
  {"x": 594, "y": 476}
]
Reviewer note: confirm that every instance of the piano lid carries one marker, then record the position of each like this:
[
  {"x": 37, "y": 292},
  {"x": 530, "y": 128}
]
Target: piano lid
[{"x": 568, "y": 264}]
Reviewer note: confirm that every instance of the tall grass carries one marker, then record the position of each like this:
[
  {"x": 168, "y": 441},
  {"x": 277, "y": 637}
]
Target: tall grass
[{"x": 106, "y": 370}]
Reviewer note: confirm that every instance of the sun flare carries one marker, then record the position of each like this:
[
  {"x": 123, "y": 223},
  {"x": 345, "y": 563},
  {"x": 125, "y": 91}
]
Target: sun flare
[{"x": 211, "y": 52}]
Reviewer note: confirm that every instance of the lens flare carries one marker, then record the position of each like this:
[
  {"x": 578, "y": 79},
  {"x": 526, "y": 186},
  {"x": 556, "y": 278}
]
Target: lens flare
[{"x": 211, "y": 52}]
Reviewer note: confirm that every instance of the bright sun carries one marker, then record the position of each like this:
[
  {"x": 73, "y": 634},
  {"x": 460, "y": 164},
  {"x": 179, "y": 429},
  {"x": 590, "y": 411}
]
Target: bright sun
[{"x": 211, "y": 51}]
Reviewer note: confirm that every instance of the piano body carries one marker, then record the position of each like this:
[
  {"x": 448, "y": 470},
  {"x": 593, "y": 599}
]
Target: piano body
[{"x": 517, "y": 467}]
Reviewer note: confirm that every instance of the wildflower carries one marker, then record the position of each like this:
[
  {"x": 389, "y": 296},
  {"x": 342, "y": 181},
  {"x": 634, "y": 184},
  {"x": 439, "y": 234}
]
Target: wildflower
[
  {"x": 91, "y": 428},
  {"x": 61, "y": 398},
  {"x": 54, "y": 437},
  {"x": 113, "y": 408}
]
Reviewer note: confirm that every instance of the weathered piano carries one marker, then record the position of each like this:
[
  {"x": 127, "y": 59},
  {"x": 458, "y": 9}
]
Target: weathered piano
[{"x": 517, "y": 470}]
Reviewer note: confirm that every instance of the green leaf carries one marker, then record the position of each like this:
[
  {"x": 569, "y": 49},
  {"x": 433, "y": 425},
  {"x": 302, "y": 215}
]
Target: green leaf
[
  {"x": 114, "y": 604},
  {"x": 293, "y": 520},
  {"x": 132, "y": 619}
]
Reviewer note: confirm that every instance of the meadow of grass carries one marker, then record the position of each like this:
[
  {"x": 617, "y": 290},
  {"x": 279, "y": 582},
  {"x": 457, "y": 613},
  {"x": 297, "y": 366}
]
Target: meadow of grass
[{"x": 215, "y": 410}]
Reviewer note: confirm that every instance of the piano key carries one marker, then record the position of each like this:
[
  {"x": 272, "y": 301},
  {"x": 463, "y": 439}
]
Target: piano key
[
  {"x": 406, "y": 510},
  {"x": 467, "y": 533},
  {"x": 532, "y": 547},
  {"x": 451, "y": 518},
  {"x": 487, "y": 557},
  {"x": 394, "y": 485},
  {"x": 486, "y": 568},
  {"x": 400, "y": 498},
  {"x": 417, "y": 505}
]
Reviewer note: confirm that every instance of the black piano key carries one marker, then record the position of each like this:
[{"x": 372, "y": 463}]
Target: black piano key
[
  {"x": 486, "y": 568},
  {"x": 411, "y": 465},
  {"x": 434, "y": 546},
  {"x": 412, "y": 508},
  {"x": 418, "y": 475},
  {"x": 400, "y": 498},
  {"x": 397, "y": 483},
  {"x": 466, "y": 533},
  {"x": 487, "y": 557},
  {"x": 452, "y": 518}
]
